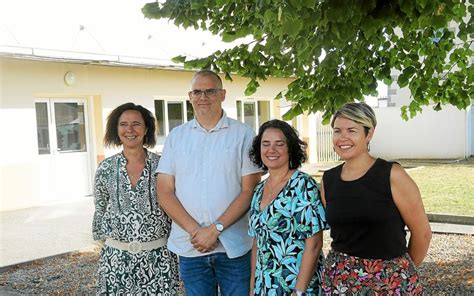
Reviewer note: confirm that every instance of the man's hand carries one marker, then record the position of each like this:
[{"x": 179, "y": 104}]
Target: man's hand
[{"x": 205, "y": 239}]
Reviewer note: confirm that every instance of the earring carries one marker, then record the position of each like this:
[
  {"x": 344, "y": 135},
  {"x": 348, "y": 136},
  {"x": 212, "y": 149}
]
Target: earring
[
  {"x": 368, "y": 146},
  {"x": 333, "y": 149}
]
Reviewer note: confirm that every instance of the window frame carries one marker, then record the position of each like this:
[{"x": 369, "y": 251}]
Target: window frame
[
  {"x": 185, "y": 105},
  {"x": 255, "y": 101}
]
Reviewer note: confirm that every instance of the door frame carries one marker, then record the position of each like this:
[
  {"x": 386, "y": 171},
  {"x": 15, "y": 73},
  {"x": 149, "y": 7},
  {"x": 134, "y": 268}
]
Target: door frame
[{"x": 50, "y": 100}]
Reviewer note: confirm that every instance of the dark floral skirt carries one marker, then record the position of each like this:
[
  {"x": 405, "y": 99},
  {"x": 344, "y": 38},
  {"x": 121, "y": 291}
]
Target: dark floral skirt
[
  {"x": 350, "y": 275},
  {"x": 152, "y": 272}
]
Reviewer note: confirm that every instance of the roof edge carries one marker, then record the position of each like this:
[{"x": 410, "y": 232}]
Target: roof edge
[{"x": 86, "y": 58}]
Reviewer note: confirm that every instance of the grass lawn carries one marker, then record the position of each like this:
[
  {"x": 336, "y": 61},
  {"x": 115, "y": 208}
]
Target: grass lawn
[{"x": 446, "y": 187}]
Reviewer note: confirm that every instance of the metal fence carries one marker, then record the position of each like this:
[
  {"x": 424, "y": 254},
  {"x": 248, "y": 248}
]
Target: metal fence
[{"x": 324, "y": 147}]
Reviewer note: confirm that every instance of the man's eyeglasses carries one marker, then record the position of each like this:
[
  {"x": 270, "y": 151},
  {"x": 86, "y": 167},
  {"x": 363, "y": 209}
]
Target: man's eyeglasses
[{"x": 210, "y": 93}]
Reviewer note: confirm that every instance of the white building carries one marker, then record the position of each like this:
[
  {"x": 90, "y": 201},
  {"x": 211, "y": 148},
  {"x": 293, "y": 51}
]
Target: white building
[
  {"x": 53, "y": 111},
  {"x": 431, "y": 134}
]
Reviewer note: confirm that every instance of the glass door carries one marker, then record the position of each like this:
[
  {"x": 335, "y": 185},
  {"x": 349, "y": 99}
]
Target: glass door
[{"x": 63, "y": 148}]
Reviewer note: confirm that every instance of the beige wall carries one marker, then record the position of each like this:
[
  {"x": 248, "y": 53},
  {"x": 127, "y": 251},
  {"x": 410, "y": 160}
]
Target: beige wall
[
  {"x": 104, "y": 87},
  {"x": 430, "y": 134}
]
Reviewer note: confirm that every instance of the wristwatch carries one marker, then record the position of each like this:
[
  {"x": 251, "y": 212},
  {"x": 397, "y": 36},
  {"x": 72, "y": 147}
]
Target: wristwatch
[
  {"x": 298, "y": 292},
  {"x": 219, "y": 226}
]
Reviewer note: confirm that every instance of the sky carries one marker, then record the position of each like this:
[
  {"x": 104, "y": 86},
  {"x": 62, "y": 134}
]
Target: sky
[
  {"x": 115, "y": 27},
  {"x": 111, "y": 27}
]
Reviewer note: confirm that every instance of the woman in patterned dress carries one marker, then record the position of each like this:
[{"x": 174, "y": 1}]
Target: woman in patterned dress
[
  {"x": 286, "y": 217},
  {"x": 134, "y": 259},
  {"x": 369, "y": 202}
]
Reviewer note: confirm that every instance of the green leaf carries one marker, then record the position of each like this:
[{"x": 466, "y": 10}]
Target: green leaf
[
  {"x": 153, "y": 10},
  {"x": 405, "y": 76},
  {"x": 338, "y": 12},
  {"x": 233, "y": 35},
  {"x": 269, "y": 16},
  {"x": 407, "y": 6},
  {"x": 309, "y": 3},
  {"x": 273, "y": 45},
  {"x": 296, "y": 3},
  {"x": 196, "y": 4},
  {"x": 421, "y": 4},
  {"x": 229, "y": 36},
  {"x": 251, "y": 87},
  {"x": 459, "y": 10},
  {"x": 203, "y": 63},
  {"x": 293, "y": 112},
  {"x": 462, "y": 33},
  {"x": 278, "y": 96},
  {"x": 404, "y": 112},
  {"x": 293, "y": 27},
  {"x": 179, "y": 59},
  {"x": 369, "y": 27},
  {"x": 439, "y": 21},
  {"x": 327, "y": 116}
]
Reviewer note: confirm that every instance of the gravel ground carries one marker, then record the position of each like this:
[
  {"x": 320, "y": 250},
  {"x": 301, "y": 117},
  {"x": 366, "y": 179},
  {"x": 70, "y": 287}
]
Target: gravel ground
[{"x": 447, "y": 270}]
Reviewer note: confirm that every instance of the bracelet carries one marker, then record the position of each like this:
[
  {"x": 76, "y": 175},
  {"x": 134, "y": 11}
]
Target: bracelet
[{"x": 298, "y": 292}]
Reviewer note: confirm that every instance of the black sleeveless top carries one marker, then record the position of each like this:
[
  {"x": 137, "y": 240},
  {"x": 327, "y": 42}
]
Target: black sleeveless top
[{"x": 363, "y": 217}]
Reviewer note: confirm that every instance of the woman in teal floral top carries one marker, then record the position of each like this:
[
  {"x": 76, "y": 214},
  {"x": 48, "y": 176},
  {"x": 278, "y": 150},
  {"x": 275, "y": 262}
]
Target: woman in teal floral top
[
  {"x": 286, "y": 217},
  {"x": 134, "y": 259}
]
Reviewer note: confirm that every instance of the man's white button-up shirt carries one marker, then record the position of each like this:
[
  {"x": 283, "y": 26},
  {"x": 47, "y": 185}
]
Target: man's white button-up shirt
[{"x": 208, "y": 167}]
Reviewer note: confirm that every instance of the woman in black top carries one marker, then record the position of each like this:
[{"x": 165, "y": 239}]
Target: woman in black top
[{"x": 368, "y": 203}]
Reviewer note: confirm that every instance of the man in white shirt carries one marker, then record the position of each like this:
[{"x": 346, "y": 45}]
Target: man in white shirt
[{"x": 205, "y": 183}]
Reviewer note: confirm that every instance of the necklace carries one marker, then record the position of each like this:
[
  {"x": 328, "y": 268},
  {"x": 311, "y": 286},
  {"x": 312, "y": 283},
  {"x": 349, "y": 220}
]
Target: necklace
[{"x": 277, "y": 184}]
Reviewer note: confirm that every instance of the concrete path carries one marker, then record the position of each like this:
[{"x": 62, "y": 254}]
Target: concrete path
[
  {"x": 452, "y": 228},
  {"x": 45, "y": 231}
]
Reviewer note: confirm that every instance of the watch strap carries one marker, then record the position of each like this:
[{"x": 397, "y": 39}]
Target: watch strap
[{"x": 298, "y": 292}]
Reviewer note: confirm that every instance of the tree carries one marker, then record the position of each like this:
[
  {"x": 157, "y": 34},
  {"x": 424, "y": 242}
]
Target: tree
[{"x": 337, "y": 50}]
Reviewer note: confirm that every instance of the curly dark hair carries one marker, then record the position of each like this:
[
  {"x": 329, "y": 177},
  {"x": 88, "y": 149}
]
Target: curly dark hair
[
  {"x": 112, "y": 138},
  {"x": 296, "y": 148}
]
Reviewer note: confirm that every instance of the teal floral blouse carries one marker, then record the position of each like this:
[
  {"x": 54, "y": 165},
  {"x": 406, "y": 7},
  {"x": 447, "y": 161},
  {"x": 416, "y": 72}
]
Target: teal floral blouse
[{"x": 280, "y": 230}]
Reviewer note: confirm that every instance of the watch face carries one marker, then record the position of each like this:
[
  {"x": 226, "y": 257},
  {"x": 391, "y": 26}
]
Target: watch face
[{"x": 219, "y": 226}]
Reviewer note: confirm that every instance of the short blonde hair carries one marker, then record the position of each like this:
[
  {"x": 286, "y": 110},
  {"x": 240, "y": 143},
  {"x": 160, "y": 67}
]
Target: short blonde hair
[{"x": 360, "y": 113}]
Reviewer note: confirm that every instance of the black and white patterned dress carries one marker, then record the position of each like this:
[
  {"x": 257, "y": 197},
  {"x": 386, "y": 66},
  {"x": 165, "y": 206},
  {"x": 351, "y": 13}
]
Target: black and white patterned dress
[{"x": 126, "y": 213}]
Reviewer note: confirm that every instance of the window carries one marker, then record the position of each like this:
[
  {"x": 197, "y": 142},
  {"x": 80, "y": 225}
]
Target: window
[
  {"x": 175, "y": 114},
  {"x": 253, "y": 113},
  {"x": 60, "y": 127},
  {"x": 42, "y": 128},
  {"x": 70, "y": 129},
  {"x": 249, "y": 115},
  {"x": 170, "y": 114},
  {"x": 160, "y": 121}
]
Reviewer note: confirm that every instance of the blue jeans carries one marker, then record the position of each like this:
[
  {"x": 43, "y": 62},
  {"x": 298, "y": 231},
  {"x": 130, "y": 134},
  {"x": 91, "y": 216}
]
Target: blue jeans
[{"x": 202, "y": 274}]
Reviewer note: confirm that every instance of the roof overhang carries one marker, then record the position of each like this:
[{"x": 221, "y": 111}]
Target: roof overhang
[{"x": 86, "y": 58}]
